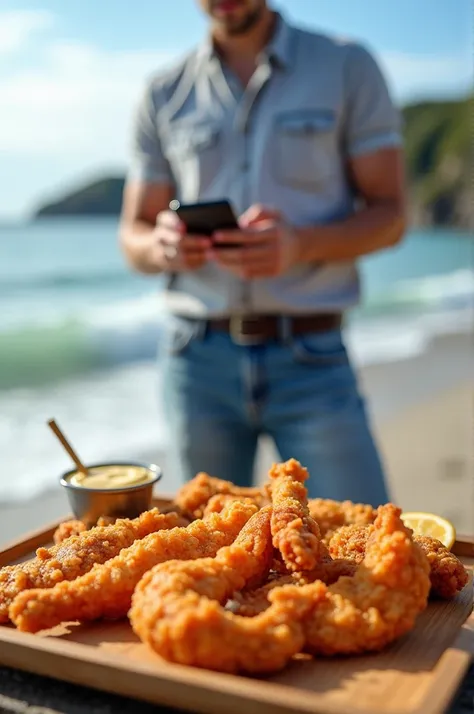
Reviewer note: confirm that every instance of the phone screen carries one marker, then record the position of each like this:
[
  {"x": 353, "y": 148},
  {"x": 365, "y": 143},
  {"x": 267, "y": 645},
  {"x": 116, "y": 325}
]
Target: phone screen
[{"x": 206, "y": 218}]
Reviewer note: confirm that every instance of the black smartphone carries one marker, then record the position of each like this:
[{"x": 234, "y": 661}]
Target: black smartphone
[{"x": 206, "y": 217}]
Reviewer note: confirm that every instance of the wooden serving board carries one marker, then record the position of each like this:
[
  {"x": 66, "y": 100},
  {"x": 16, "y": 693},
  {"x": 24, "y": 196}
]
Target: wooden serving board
[{"x": 417, "y": 675}]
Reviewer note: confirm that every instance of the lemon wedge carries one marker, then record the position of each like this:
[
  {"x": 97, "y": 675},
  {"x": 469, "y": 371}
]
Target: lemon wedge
[{"x": 429, "y": 524}]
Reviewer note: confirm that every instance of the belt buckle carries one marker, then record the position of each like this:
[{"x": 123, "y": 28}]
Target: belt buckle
[{"x": 236, "y": 330}]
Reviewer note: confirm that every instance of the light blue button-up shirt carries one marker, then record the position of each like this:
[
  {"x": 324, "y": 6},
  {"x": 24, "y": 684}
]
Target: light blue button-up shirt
[{"x": 282, "y": 141}]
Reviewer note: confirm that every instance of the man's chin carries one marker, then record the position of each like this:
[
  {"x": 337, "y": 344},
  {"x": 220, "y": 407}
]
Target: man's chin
[
  {"x": 235, "y": 26},
  {"x": 235, "y": 30}
]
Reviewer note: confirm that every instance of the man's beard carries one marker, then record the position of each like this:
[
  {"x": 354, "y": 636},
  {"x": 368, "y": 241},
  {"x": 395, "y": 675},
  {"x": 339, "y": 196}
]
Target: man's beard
[{"x": 246, "y": 24}]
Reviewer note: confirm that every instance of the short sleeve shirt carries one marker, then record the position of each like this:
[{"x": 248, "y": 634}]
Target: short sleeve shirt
[{"x": 283, "y": 141}]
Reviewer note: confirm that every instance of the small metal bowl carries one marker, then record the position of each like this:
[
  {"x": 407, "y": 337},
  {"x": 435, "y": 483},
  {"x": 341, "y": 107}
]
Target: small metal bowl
[{"x": 89, "y": 504}]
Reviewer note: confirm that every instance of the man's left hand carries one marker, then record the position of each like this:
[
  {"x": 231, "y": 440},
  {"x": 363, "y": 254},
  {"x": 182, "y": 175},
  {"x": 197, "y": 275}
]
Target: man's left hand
[{"x": 268, "y": 246}]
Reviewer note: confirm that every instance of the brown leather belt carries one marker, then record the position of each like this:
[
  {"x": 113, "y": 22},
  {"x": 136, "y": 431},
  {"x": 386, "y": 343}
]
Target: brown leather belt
[{"x": 257, "y": 329}]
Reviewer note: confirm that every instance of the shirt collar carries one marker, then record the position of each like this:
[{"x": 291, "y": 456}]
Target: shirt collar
[
  {"x": 279, "y": 50},
  {"x": 280, "y": 47}
]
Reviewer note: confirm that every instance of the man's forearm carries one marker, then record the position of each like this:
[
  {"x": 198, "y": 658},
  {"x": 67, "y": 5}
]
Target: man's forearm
[
  {"x": 137, "y": 241},
  {"x": 376, "y": 227}
]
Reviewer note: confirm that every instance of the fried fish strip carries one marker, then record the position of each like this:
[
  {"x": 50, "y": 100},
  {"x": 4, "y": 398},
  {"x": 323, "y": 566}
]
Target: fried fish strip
[
  {"x": 295, "y": 534},
  {"x": 74, "y": 527},
  {"x": 178, "y": 609},
  {"x": 76, "y": 555},
  {"x": 67, "y": 529},
  {"x": 217, "y": 503},
  {"x": 193, "y": 497},
  {"x": 380, "y": 602},
  {"x": 106, "y": 591},
  {"x": 332, "y": 515},
  {"x": 252, "y": 601},
  {"x": 447, "y": 574}
]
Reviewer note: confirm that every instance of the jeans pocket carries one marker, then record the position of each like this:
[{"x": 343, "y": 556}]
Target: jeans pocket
[
  {"x": 178, "y": 336},
  {"x": 320, "y": 348}
]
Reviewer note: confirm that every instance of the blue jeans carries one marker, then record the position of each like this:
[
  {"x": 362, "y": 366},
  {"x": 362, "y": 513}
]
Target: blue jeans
[{"x": 220, "y": 397}]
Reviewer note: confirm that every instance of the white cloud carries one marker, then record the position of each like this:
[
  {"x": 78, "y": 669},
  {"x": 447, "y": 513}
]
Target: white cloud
[
  {"x": 70, "y": 105},
  {"x": 17, "y": 26},
  {"x": 77, "y": 104}
]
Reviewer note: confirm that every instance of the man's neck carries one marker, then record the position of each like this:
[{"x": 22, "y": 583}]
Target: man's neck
[{"x": 245, "y": 48}]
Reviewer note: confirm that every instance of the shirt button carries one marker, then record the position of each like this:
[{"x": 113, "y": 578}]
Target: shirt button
[{"x": 245, "y": 166}]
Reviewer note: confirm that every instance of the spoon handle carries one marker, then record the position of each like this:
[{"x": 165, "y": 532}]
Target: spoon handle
[{"x": 67, "y": 446}]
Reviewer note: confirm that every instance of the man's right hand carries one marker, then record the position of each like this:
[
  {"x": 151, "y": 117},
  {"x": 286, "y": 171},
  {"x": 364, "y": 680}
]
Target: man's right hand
[{"x": 174, "y": 250}]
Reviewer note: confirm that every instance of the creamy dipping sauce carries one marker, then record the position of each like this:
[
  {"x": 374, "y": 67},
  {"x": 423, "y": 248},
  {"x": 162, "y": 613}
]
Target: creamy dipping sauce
[{"x": 103, "y": 477}]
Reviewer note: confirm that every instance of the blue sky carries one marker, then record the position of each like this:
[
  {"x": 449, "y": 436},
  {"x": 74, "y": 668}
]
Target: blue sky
[{"x": 70, "y": 72}]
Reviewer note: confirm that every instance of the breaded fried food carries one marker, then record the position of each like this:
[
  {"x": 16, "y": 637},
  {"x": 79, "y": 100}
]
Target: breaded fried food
[
  {"x": 193, "y": 497},
  {"x": 448, "y": 575},
  {"x": 381, "y": 602},
  {"x": 364, "y": 612},
  {"x": 252, "y": 601},
  {"x": 295, "y": 534},
  {"x": 350, "y": 542},
  {"x": 106, "y": 590},
  {"x": 74, "y": 527},
  {"x": 217, "y": 503},
  {"x": 332, "y": 515},
  {"x": 67, "y": 529},
  {"x": 76, "y": 555},
  {"x": 178, "y": 609}
]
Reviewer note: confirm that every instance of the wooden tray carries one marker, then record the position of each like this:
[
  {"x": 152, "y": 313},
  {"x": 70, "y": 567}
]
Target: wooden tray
[{"x": 417, "y": 675}]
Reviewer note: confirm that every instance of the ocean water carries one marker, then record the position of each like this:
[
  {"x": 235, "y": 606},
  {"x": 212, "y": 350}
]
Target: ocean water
[{"x": 78, "y": 336}]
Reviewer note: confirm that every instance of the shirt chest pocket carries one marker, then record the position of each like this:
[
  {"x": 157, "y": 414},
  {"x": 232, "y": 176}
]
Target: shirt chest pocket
[
  {"x": 194, "y": 152},
  {"x": 305, "y": 151}
]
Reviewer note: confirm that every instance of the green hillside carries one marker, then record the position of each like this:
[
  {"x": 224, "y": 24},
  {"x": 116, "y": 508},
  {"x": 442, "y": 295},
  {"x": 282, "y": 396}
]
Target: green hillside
[{"x": 439, "y": 150}]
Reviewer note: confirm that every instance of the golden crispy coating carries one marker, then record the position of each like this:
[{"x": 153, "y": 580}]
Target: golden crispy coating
[
  {"x": 193, "y": 497},
  {"x": 107, "y": 589},
  {"x": 206, "y": 494},
  {"x": 67, "y": 529},
  {"x": 178, "y": 609},
  {"x": 76, "y": 555},
  {"x": 366, "y": 611},
  {"x": 379, "y": 603},
  {"x": 217, "y": 503},
  {"x": 259, "y": 576},
  {"x": 331, "y": 515},
  {"x": 295, "y": 534},
  {"x": 447, "y": 574},
  {"x": 350, "y": 542},
  {"x": 252, "y": 601},
  {"x": 74, "y": 527}
]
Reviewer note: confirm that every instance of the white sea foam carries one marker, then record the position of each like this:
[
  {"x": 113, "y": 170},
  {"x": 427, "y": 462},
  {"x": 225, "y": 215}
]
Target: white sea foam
[{"x": 114, "y": 413}]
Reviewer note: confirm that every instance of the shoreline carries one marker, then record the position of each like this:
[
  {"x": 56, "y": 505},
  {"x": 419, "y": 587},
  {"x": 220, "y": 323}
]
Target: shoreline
[{"x": 419, "y": 408}]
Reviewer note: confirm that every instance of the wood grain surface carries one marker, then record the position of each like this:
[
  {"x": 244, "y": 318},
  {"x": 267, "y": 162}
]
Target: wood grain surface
[{"x": 417, "y": 675}]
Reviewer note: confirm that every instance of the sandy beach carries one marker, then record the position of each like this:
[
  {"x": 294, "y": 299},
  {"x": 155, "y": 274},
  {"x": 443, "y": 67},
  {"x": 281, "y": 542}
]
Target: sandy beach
[{"x": 422, "y": 411}]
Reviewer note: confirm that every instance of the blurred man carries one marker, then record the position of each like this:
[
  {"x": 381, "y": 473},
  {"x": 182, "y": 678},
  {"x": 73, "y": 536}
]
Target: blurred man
[{"x": 298, "y": 131}]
